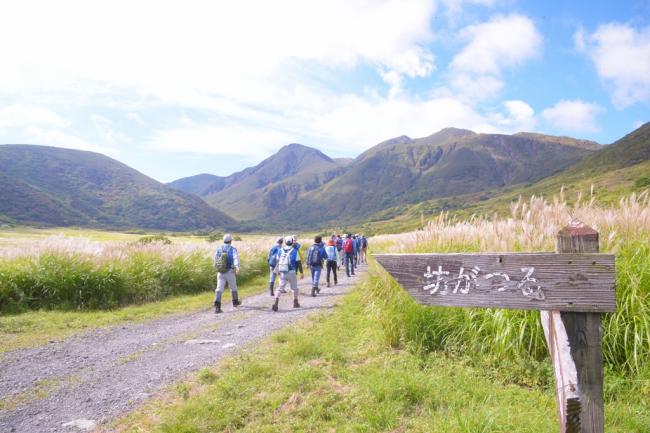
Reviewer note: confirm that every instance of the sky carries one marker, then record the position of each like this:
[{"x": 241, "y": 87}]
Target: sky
[{"x": 178, "y": 88}]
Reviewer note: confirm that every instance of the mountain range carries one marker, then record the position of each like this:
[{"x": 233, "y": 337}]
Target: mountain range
[
  {"x": 301, "y": 186},
  {"x": 64, "y": 187},
  {"x": 389, "y": 186}
]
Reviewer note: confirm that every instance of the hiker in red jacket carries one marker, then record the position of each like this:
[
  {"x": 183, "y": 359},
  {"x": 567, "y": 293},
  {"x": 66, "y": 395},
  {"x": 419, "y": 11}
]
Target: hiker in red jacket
[{"x": 348, "y": 253}]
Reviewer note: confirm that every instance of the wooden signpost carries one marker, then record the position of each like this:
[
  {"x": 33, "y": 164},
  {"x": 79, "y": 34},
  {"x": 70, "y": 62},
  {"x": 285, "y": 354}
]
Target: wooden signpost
[{"x": 571, "y": 288}]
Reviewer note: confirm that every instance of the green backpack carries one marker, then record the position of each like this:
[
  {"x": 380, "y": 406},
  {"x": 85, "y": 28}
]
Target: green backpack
[{"x": 222, "y": 264}]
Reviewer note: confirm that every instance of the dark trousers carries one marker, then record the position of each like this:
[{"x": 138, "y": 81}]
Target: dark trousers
[
  {"x": 349, "y": 264},
  {"x": 331, "y": 266}
]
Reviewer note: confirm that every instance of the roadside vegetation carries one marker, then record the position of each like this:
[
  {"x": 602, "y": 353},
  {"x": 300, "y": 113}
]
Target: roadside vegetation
[
  {"x": 55, "y": 285},
  {"x": 339, "y": 373},
  {"x": 60, "y": 273}
]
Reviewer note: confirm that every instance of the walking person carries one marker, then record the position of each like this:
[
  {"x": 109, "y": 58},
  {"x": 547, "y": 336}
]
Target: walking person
[
  {"x": 297, "y": 246},
  {"x": 354, "y": 251},
  {"x": 332, "y": 260},
  {"x": 287, "y": 264},
  {"x": 339, "y": 248},
  {"x": 226, "y": 263},
  {"x": 348, "y": 252},
  {"x": 272, "y": 259},
  {"x": 315, "y": 257},
  {"x": 364, "y": 249}
]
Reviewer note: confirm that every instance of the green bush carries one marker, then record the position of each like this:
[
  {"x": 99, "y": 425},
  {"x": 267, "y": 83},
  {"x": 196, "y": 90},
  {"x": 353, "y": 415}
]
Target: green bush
[
  {"x": 215, "y": 237},
  {"x": 642, "y": 182},
  {"x": 155, "y": 238}
]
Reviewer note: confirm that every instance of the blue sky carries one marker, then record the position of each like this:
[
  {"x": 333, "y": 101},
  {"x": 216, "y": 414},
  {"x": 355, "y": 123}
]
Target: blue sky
[{"x": 180, "y": 88}]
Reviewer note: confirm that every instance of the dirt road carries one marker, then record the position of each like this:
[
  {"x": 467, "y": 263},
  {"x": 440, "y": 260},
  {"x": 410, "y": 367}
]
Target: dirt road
[{"x": 88, "y": 380}]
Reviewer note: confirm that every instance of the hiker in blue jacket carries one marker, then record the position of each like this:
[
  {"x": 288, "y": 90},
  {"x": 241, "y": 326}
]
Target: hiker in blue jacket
[
  {"x": 354, "y": 251},
  {"x": 272, "y": 260},
  {"x": 358, "y": 250},
  {"x": 287, "y": 264},
  {"x": 315, "y": 256},
  {"x": 226, "y": 263}
]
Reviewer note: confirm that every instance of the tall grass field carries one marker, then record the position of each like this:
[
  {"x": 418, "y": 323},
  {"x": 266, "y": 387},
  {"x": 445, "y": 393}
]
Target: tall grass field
[
  {"x": 77, "y": 273},
  {"x": 515, "y": 339}
]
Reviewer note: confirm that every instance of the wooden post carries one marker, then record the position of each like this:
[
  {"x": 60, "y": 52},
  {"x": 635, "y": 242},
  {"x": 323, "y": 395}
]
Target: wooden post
[{"x": 575, "y": 342}]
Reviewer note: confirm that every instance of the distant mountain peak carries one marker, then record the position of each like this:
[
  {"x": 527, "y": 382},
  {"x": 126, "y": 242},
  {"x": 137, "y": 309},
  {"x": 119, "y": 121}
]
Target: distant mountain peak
[{"x": 456, "y": 131}]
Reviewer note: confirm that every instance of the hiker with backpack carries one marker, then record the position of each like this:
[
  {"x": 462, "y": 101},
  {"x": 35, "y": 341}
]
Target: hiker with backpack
[
  {"x": 272, "y": 260},
  {"x": 348, "y": 251},
  {"x": 332, "y": 260},
  {"x": 287, "y": 265},
  {"x": 364, "y": 249},
  {"x": 297, "y": 246},
  {"x": 315, "y": 257},
  {"x": 339, "y": 249},
  {"x": 358, "y": 245},
  {"x": 226, "y": 263}
]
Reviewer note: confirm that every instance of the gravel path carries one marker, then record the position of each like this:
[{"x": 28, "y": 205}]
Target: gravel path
[{"x": 88, "y": 380}]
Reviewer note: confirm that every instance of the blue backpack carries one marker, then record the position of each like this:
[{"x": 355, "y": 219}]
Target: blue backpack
[{"x": 273, "y": 256}]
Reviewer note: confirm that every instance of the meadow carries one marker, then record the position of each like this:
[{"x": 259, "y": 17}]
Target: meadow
[
  {"x": 382, "y": 362},
  {"x": 99, "y": 271}
]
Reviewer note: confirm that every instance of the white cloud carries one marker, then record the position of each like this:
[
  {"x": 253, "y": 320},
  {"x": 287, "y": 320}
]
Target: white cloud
[
  {"x": 573, "y": 116},
  {"x": 172, "y": 50},
  {"x": 621, "y": 55},
  {"x": 254, "y": 142},
  {"x": 21, "y": 116},
  {"x": 455, "y": 8},
  {"x": 500, "y": 43}
]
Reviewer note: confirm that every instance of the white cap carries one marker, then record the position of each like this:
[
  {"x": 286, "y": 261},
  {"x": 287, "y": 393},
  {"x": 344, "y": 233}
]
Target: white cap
[
  {"x": 227, "y": 238},
  {"x": 288, "y": 240}
]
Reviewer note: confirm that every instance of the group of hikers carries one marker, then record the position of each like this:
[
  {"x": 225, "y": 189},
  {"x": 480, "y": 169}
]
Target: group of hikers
[{"x": 285, "y": 262}]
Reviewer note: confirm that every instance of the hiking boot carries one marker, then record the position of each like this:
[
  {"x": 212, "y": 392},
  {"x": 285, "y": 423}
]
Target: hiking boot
[
  {"x": 328, "y": 284},
  {"x": 236, "y": 302},
  {"x": 317, "y": 290},
  {"x": 274, "y": 307},
  {"x": 296, "y": 304},
  {"x": 313, "y": 291},
  {"x": 217, "y": 307}
]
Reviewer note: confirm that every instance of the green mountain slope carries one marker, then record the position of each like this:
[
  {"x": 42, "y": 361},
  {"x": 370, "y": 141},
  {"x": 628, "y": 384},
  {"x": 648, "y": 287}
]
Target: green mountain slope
[
  {"x": 269, "y": 187},
  {"x": 452, "y": 162},
  {"x": 63, "y": 187},
  {"x": 201, "y": 184},
  {"x": 610, "y": 173}
]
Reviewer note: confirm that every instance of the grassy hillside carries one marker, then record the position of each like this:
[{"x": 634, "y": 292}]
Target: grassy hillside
[
  {"x": 450, "y": 163},
  {"x": 63, "y": 187},
  {"x": 612, "y": 172}
]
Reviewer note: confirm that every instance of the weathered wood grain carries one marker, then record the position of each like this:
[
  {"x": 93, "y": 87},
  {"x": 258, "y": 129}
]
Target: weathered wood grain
[
  {"x": 560, "y": 282},
  {"x": 567, "y": 390},
  {"x": 585, "y": 339}
]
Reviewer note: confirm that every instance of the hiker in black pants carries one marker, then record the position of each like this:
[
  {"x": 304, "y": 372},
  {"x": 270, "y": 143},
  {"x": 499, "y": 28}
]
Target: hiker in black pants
[{"x": 332, "y": 260}]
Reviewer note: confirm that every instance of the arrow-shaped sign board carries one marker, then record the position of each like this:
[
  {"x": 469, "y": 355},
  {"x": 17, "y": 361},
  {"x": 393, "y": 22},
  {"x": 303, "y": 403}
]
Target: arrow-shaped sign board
[{"x": 525, "y": 281}]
